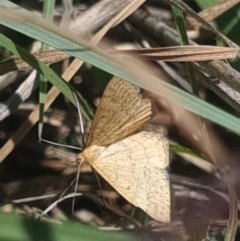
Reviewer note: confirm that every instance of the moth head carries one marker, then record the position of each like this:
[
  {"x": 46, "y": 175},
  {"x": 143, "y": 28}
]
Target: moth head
[
  {"x": 90, "y": 154},
  {"x": 80, "y": 158}
]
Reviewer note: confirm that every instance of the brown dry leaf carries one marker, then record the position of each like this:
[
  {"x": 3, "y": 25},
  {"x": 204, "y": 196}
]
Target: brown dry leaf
[
  {"x": 185, "y": 53},
  {"x": 134, "y": 166}
]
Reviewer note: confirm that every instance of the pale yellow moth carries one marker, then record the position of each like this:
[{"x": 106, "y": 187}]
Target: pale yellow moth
[{"x": 133, "y": 163}]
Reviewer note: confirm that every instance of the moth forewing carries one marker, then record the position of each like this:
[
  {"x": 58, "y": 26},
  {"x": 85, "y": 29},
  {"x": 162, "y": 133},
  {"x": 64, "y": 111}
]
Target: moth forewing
[{"x": 121, "y": 111}]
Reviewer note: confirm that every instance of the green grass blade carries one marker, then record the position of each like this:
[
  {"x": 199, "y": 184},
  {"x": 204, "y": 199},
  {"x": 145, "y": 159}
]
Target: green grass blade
[
  {"x": 47, "y": 72},
  {"x": 48, "y": 9},
  {"x": 18, "y": 228},
  {"x": 179, "y": 20},
  {"x": 206, "y": 3}
]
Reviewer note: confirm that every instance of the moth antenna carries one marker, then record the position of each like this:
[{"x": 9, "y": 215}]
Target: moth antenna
[
  {"x": 49, "y": 208},
  {"x": 80, "y": 118},
  {"x": 100, "y": 185},
  {"x": 60, "y": 199},
  {"x": 66, "y": 189},
  {"x": 76, "y": 185},
  {"x": 83, "y": 143},
  {"x": 33, "y": 199},
  {"x": 62, "y": 145}
]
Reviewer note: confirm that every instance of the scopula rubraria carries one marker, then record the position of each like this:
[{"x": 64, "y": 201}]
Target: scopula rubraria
[{"x": 134, "y": 164}]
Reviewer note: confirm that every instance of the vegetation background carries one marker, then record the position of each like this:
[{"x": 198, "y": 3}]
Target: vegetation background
[{"x": 198, "y": 106}]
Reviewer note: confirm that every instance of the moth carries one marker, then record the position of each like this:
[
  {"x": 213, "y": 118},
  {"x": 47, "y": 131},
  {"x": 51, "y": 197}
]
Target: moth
[{"x": 134, "y": 163}]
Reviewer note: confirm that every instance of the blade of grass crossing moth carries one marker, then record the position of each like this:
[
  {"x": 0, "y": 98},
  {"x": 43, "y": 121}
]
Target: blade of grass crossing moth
[
  {"x": 178, "y": 17},
  {"x": 48, "y": 8},
  {"x": 95, "y": 56}
]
